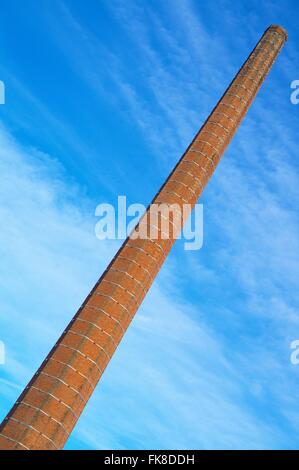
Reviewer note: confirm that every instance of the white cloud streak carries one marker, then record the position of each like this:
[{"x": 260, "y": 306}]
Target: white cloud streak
[{"x": 214, "y": 376}]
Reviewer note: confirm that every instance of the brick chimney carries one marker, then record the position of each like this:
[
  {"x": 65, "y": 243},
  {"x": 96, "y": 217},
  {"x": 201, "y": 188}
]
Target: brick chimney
[{"x": 48, "y": 409}]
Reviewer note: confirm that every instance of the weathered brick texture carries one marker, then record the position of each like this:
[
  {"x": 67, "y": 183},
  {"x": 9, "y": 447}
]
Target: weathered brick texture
[{"x": 48, "y": 409}]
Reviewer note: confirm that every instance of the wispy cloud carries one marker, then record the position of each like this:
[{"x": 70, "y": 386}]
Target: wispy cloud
[
  {"x": 47, "y": 241},
  {"x": 206, "y": 361}
]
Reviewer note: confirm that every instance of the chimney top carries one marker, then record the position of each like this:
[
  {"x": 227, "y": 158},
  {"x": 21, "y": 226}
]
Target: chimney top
[{"x": 279, "y": 29}]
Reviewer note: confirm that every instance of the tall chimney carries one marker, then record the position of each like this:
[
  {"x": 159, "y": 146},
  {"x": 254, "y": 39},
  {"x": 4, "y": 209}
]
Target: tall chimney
[{"x": 48, "y": 409}]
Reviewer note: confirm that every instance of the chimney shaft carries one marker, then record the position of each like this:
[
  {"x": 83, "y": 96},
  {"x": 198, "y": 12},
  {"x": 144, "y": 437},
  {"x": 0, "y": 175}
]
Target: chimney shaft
[{"x": 48, "y": 409}]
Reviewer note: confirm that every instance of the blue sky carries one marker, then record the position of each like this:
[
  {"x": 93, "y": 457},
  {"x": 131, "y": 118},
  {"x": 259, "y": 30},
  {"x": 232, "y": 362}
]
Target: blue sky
[{"x": 102, "y": 97}]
